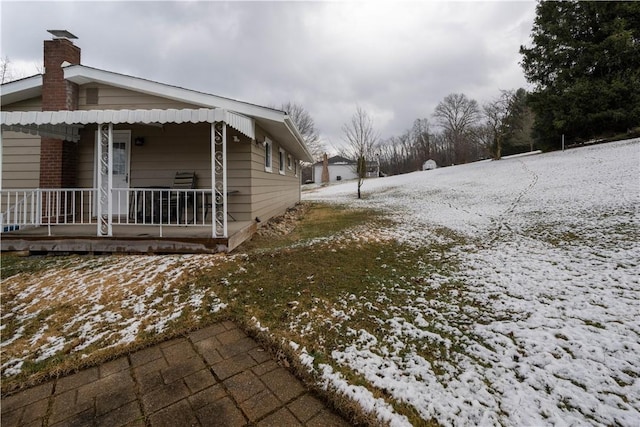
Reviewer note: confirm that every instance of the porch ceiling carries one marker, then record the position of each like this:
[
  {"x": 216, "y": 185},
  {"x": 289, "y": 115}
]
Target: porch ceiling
[{"x": 66, "y": 124}]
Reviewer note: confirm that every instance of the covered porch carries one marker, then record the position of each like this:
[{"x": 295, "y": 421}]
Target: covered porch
[{"x": 111, "y": 215}]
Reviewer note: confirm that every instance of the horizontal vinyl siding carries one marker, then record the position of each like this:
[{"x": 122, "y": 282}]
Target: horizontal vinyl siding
[
  {"x": 176, "y": 148},
  {"x": 86, "y": 148},
  {"x": 110, "y": 97},
  {"x": 272, "y": 193},
  {"x": 21, "y": 152},
  {"x": 239, "y": 178},
  {"x": 33, "y": 104},
  {"x": 20, "y": 160}
]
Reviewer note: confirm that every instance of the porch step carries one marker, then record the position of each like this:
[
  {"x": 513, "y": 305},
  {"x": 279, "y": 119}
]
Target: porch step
[
  {"x": 108, "y": 245},
  {"x": 126, "y": 239}
]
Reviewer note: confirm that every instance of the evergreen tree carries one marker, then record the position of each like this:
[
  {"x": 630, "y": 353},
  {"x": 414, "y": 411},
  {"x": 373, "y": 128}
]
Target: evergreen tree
[
  {"x": 518, "y": 124},
  {"x": 585, "y": 64}
]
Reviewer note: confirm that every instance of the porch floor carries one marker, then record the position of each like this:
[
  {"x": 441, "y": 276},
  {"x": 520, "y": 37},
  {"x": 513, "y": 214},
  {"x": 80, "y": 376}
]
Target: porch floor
[{"x": 127, "y": 239}]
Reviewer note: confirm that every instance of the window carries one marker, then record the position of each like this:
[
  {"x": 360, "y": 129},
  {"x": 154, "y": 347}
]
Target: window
[
  {"x": 281, "y": 161},
  {"x": 289, "y": 162},
  {"x": 267, "y": 155}
]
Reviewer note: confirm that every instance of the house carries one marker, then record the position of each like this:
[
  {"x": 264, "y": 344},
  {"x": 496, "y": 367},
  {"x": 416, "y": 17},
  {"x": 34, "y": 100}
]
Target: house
[
  {"x": 340, "y": 168},
  {"x": 98, "y": 161}
]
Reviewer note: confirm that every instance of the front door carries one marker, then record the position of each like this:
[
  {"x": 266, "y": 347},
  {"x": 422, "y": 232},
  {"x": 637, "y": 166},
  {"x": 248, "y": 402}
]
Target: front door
[{"x": 121, "y": 162}]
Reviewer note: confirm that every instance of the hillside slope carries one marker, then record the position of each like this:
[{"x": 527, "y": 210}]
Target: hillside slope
[{"x": 551, "y": 263}]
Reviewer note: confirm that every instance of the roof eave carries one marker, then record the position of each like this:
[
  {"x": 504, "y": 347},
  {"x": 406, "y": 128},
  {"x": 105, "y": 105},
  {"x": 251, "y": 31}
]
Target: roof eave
[
  {"x": 82, "y": 74},
  {"x": 20, "y": 90}
]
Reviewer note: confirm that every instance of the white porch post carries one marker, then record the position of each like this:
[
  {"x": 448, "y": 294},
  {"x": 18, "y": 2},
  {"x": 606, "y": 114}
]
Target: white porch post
[
  {"x": 1, "y": 143},
  {"x": 224, "y": 178},
  {"x": 219, "y": 179},
  {"x": 213, "y": 180},
  {"x": 105, "y": 179}
]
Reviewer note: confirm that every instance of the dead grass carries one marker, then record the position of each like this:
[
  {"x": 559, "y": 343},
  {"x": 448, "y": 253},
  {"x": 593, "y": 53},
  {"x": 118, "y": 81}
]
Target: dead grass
[
  {"x": 315, "y": 276},
  {"x": 78, "y": 310},
  {"x": 316, "y": 294}
]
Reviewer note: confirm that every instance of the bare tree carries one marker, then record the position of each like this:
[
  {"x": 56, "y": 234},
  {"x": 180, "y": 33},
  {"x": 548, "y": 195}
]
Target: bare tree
[
  {"x": 360, "y": 137},
  {"x": 496, "y": 113},
  {"x": 5, "y": 70},
  {"x": 457, "y": 115},
  {"x": 396, "y": 154},
  {"x": 421, "y": 141},
  {"x": 9, "y": 73},
  {"x": 305, "y": 124}
]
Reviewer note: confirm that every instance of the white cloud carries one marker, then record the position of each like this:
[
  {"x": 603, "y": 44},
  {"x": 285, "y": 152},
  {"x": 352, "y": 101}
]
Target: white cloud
[{"x": 397, "y": 59}]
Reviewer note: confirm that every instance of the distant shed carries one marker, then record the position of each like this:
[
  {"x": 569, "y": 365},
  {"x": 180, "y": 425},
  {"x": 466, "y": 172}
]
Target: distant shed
[{"x": 429, "y": 164}]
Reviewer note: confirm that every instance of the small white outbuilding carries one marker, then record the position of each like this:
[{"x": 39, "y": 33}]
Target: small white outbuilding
[{"x": 429, "y": 164}]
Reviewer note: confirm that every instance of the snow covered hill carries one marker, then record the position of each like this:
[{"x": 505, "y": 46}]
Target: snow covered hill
[{"x": 553, "y": 262}]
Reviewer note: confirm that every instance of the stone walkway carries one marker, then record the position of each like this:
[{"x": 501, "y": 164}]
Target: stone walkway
[{"x": 217, "y": 376}]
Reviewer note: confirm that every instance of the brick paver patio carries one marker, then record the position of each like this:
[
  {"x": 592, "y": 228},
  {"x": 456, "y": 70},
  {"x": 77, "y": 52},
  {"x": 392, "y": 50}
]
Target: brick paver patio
[{"x": 217, "y": 376}]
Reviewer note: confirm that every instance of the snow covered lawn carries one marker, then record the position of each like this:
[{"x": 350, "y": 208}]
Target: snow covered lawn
[
  {"x": 501, "y": 293},
  {"x": 540, "y": 322},
  {"x": 83, "y": 306}
]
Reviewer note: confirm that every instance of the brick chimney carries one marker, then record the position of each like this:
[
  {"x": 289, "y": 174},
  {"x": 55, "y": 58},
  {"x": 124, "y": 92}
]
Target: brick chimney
[{"x": 58, "y": 158}]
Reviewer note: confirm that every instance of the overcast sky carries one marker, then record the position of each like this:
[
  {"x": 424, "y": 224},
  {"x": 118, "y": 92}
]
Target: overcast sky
[{"x": 397, "y": 60}]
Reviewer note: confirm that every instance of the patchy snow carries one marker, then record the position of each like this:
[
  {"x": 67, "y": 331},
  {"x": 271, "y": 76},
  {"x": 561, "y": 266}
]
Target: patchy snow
[
  {"x": 545, "y": 327},
  {"x": 101, "y": 302},
  {"x": 336, "y": 382}
]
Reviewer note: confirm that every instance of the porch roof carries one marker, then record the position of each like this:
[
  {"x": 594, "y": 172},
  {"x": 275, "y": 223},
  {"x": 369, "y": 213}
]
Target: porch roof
[{"x": 67, "y": 124}]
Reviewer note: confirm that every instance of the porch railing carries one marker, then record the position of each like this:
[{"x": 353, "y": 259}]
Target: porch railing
[
  {"x": 162, "y": 206},
  {"x": 33, "y": 208},
  {"x": 22, "y": 209}
]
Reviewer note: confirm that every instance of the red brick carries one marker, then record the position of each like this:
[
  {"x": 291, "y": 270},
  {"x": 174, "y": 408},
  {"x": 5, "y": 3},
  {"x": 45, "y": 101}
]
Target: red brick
[{"x": 58, "y": 159}]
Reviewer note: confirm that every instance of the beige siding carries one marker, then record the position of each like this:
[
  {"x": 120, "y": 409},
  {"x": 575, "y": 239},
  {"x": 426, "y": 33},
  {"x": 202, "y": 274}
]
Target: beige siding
[
  {"x": 20, "y": 160},
  {"x": 114, "y": 98},
  {"x": 33, "y": 104},
  {"x": 272, "y": 192},
  {"x": 175, "y": 148},
  {"x": 21, "y": 152},
  {"x": 239, "y": 177},
  {"x": 166, "y": 151}
]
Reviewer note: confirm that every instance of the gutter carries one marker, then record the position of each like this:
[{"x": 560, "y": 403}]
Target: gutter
[{"x": 291, "y": 126}]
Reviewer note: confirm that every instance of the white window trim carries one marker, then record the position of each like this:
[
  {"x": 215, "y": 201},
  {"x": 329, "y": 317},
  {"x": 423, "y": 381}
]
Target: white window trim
[
  {"x": 281, "y": 160},
  {"x": 268, "y": 155},
  {"x": 295, "y": 167},
  {"x": 289, "y": 161}
]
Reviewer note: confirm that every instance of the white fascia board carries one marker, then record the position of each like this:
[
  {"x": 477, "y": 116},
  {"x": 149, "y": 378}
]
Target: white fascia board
[
  {"x": 81, "y": 74},
  {"x": 22, "y": 89}
]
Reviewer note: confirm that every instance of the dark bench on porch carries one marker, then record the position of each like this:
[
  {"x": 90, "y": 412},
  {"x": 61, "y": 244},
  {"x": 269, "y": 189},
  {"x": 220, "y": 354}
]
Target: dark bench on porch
[{"x": 161, "y": 205}]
